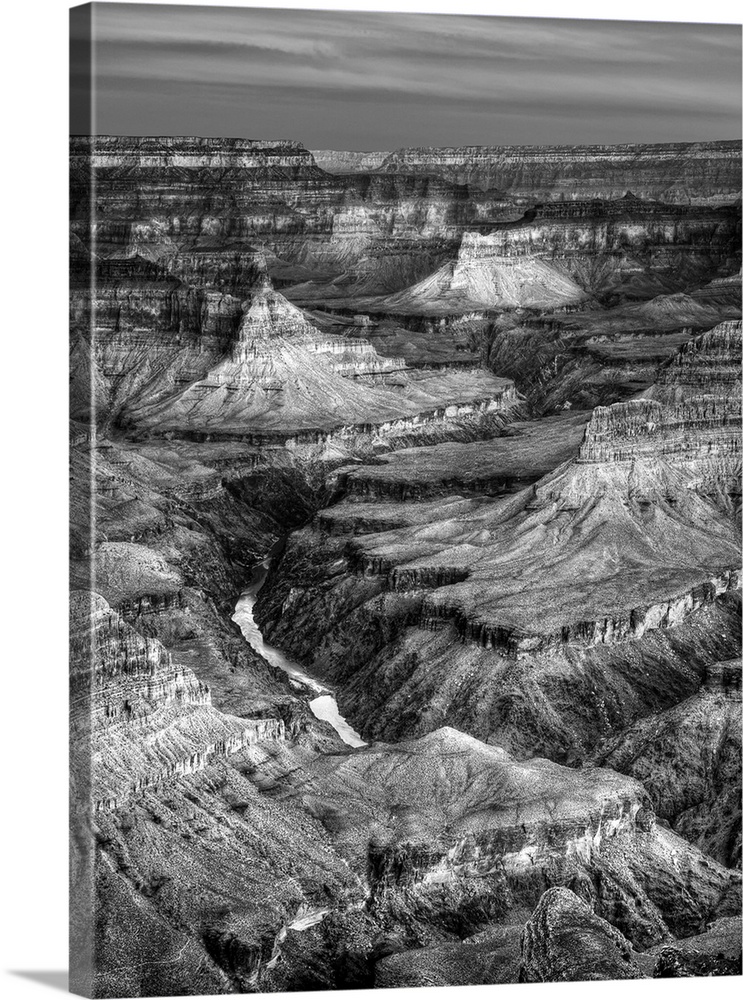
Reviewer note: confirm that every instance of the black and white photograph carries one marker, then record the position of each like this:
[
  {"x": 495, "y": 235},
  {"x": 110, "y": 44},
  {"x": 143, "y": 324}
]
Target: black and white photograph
[{"x": 405, "y": 496}]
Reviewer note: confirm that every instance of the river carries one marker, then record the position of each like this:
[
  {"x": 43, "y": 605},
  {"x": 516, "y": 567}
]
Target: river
[{"x": 323, "y": 705}]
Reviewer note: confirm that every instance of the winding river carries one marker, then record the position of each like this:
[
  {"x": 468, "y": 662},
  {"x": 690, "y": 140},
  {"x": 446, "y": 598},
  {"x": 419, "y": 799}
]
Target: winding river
[{"x": 323, "y": 705}]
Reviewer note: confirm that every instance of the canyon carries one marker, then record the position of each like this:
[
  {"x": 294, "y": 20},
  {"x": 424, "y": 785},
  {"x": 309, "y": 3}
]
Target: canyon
[{"x": 405, "y": 565}]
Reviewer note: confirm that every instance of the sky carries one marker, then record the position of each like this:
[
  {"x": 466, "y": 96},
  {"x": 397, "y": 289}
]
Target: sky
[{"x": 379, "y": 81}]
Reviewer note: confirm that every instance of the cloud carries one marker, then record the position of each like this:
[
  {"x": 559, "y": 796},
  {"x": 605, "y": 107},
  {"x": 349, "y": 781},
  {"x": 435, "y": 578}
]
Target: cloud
[{"x": 406, "y": 79}]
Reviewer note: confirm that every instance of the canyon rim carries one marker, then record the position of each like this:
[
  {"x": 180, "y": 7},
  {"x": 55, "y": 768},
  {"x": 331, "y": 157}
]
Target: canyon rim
[{"x": 405, "y": 500}]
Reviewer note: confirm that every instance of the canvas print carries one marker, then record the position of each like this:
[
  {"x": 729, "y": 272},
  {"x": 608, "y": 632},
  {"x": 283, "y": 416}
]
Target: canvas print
[{"x": 405, "y": 500}]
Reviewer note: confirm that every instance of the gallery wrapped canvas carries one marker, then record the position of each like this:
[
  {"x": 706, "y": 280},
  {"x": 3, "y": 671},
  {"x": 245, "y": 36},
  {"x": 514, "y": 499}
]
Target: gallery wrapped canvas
[{"x": 405, "y": 500}]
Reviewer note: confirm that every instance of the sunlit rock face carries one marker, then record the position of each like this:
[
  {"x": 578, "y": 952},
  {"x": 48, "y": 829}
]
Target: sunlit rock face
[{"x": 471, "y": 418}]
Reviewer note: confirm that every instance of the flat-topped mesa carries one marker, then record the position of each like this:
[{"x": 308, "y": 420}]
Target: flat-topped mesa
[
  {"x": 107, "y": 152},
  {"x": 517, "y": 641},
  {"x": 173, "y": 192},
  {"x": 484, "y": 279},
  {"x": 500, "y": 465},
  {"x": 283, "y": 380},
  {"x": 697, "y": 173},
  {"x": 558, "y": 256}
]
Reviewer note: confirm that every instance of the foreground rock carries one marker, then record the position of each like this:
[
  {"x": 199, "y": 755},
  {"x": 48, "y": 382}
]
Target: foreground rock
[{"x": 457, "y": 834}]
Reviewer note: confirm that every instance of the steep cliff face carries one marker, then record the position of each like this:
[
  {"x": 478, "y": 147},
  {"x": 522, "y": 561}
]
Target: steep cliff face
[
  {"x": 594, "y": 358},
  {"x": 150, "y": 719},
  {"x": 597, "y": 243},
  {"x": 153, "y": 790},
  {"x": 178, "y": 327},
  {"x": 284, "y": 377},
  {"x": 697, "y": 173},
  {"x": 484, "y": 283},
  {"x": 639, "y": 515},
  {"x": 168, "y": 357},
  {"x": 690, "y": 415},
  {"x": 506, "y": 464},
  {"x": 707, "y": 366}
]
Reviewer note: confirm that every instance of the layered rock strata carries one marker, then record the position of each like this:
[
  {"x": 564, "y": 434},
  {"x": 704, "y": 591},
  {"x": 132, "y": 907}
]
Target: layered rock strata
[{"x": 558, "y": 256}]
